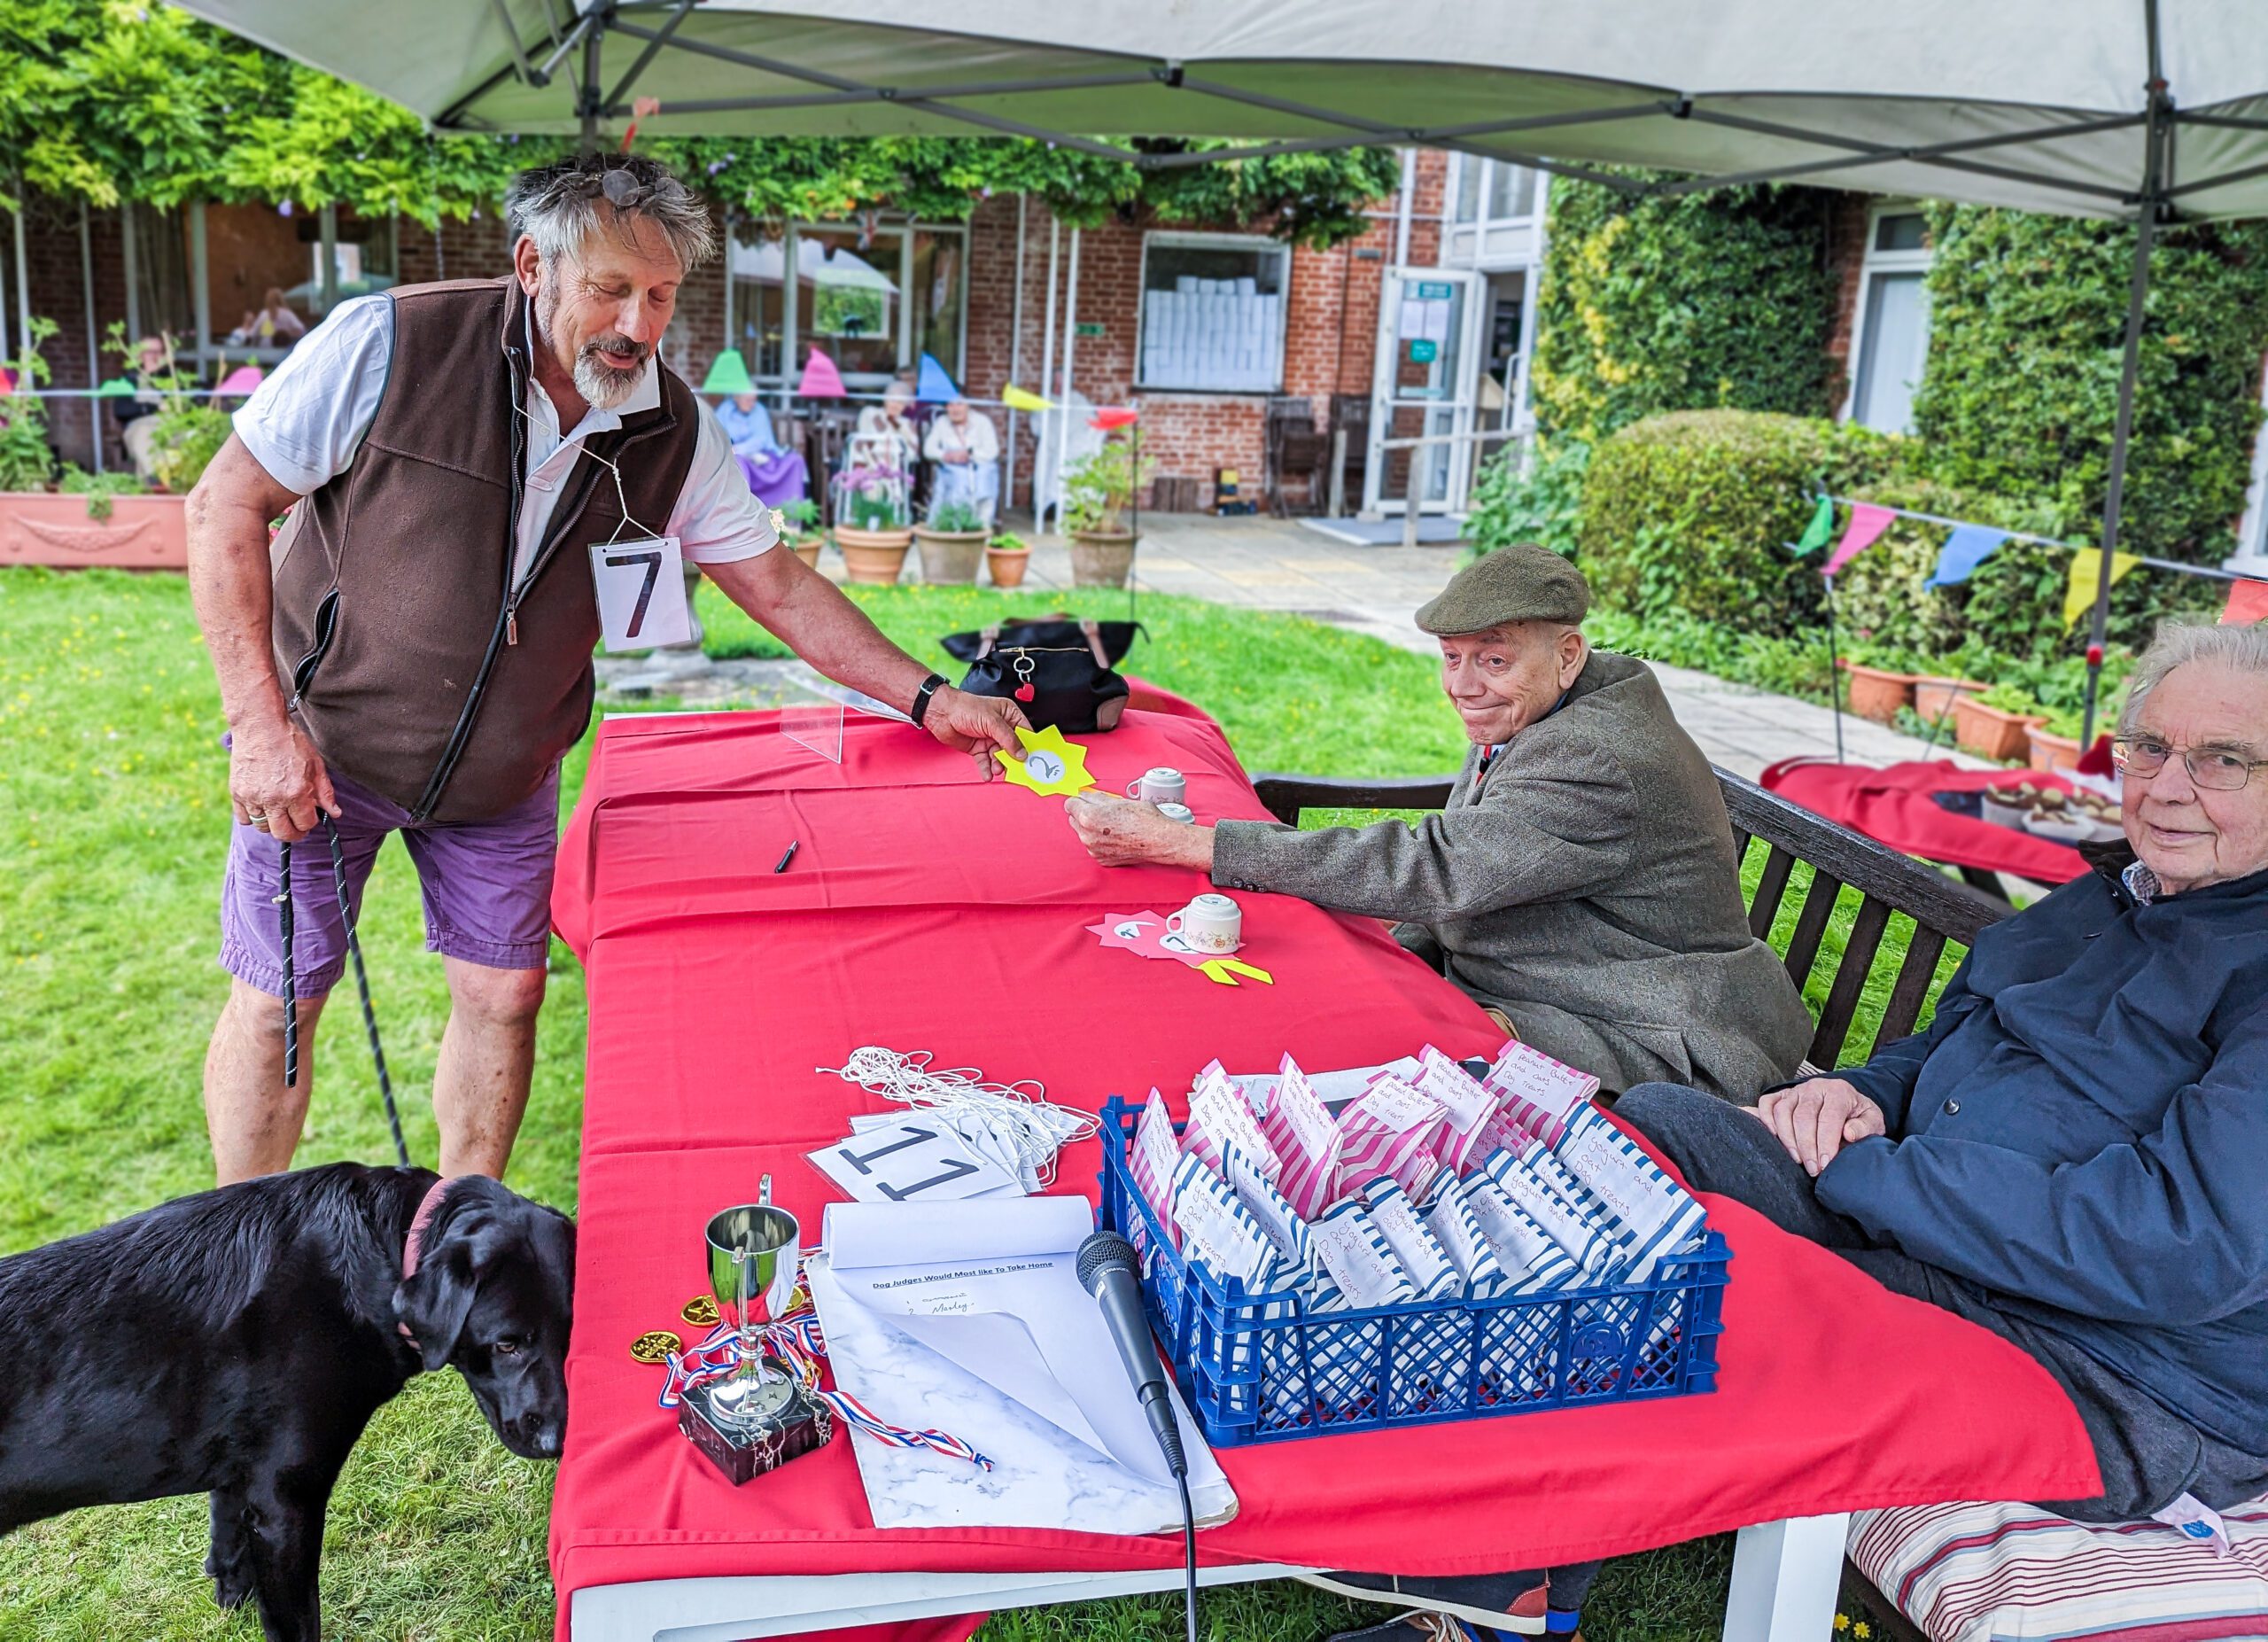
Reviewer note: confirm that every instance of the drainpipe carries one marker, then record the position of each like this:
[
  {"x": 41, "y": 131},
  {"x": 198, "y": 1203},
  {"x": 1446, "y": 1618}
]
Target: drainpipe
[
  {"x": 1063, "y": 409},
  {"x": 1046, "y": 359},
  {"x": 1401, "y": 206},
  {"x": 1015, "y": 353}
]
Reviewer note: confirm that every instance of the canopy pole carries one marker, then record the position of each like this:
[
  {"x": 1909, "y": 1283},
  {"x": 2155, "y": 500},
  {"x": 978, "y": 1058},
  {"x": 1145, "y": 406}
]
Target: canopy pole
[
  {"x": 589, "y": 97},
  {"x": 23, "y": 267},
  {"x": 1063, "y": 406},
  {"x": 1015, "y": 349},
  {"x": 1046, "y": 365},
  {"x": 94, "y": 344},
  {"x": 2123, "y": 430}
]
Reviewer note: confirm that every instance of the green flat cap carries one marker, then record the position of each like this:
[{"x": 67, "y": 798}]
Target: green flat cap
[{"x": 1522, "y": 583}]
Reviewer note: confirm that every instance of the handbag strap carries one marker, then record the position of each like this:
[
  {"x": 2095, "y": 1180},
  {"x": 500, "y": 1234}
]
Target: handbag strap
[
  {"x": 1093, "y": 630},
  {"x": 990, "y": 637}
]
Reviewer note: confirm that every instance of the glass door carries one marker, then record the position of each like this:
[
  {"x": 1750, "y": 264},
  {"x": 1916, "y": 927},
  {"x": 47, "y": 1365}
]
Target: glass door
[{"x": 1424, "y": 384}]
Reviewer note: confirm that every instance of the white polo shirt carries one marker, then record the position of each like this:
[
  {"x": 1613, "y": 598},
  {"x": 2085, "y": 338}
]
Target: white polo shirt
[{"x": 305, "y": 423}]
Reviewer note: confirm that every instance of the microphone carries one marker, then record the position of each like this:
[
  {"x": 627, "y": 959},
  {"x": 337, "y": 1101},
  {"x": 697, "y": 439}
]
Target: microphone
[{"x": 1107, "y": 1272}]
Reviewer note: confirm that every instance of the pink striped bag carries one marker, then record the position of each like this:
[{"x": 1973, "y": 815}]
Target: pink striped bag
[
  {"x": 1151, "y": 1161},
  {"x": 1542, "y": 1093},
  {"x": 1305, "y": 1139},
  {"x": 1467, "y": 1101},
  {"x": 1390, "y": 1129},
  {"x": 1220, "y": 1117}
]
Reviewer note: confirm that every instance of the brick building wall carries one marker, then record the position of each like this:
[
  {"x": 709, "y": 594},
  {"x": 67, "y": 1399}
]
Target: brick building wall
[
  {"x": 1846, "y": 256},
  {"x": 58, "y": 293}
]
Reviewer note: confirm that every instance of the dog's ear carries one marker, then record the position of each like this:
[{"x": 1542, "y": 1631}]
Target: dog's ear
[{"x": 433, "y": 1302}]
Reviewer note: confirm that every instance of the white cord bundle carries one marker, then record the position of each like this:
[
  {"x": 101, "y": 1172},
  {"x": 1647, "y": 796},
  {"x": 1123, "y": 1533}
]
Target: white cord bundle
[{"x": 1012, "y": 1123}]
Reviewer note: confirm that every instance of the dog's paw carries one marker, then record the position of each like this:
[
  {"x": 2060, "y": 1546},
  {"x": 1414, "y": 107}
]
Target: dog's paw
[{"x": 232, "y": 1587}]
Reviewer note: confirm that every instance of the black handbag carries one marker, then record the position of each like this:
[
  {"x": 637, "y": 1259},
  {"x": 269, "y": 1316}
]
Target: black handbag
[{"x": 1058, "y": 669}]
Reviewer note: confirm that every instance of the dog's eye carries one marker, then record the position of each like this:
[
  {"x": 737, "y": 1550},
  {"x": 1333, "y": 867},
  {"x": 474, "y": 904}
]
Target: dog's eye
[{"x": 509, "y": 1348}]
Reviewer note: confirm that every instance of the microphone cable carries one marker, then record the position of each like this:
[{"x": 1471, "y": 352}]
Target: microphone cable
[{"x": 1189, "y": 1554}]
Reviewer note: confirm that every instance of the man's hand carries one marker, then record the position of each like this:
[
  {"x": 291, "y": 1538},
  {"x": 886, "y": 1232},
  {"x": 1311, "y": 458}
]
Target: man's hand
[
  {"x": 1119, "y": 832},
  {"x": 277, "y": 782},
  {"x": 1818, "y": 1117},
  {"x": 976, "y": 725}
]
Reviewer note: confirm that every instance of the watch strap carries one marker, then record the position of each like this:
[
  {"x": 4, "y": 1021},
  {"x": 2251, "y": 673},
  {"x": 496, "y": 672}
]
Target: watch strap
[{"x": 929, "y": 687}]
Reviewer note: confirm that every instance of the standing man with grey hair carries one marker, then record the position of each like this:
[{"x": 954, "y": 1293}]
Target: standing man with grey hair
[{"x": 412, "y": 652}]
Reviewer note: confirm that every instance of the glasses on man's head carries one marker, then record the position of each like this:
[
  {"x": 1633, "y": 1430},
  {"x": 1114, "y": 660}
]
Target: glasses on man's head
[
  {"x": 2209, "y": 769},
  {"x": 624, "y": 192}
]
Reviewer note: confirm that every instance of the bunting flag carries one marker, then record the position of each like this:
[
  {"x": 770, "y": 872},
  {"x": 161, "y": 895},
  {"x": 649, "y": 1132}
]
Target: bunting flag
[
  {"x": 821, "y": 379},
  {"x": 1821, "y": 527},
  {"x": 1112, "y": 416},
  {"x": 1019, "y": 399},
  {"x": 2086, "y": 565},
  {"x": 1867, "y": 523},
  {"x": 240, "y": 382},
  {"x": 1968, "y": 546},
  {"x": 2247, "y": 602},
  {"x": 727, "y": 374},
  {"x": 934, "y": 386}
]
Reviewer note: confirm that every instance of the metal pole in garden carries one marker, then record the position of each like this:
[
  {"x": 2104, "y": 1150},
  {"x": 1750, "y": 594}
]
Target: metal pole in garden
[
  {"x": 1834, "y": 672},
  {"x": 2156, "y": 134}
]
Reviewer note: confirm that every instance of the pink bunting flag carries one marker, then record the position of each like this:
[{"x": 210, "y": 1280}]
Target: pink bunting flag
[
  {"x": 2247, "y": 602},
  {"x": 1867, "y": 523},
  {"x": 821, "y": 379},
  {"x": 241, "y": 381}
]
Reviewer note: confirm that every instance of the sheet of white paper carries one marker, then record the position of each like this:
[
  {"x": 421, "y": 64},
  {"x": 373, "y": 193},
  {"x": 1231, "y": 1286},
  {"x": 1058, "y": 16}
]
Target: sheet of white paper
[
  {"x": 913, "y": 1158},
  {"x": 641, "y": 593}
]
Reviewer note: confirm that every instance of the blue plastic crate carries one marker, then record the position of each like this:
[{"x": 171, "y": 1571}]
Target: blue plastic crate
[{"x": 1259, "y": 1369}]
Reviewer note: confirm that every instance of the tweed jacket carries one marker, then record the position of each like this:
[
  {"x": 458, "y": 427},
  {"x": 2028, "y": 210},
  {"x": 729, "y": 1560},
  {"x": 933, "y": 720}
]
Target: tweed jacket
[{"x": 1588, "y": 890}]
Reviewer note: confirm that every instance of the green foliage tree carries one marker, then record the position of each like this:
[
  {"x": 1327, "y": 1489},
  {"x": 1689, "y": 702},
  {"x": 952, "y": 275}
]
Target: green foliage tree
[
  {"x": 1693, "y": 302},
  {"x": 2026, "y": 333}
]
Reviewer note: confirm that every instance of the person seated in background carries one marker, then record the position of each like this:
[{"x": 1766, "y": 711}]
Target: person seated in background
[
  {"x": 963, "y": 448},
  {"x": 277, "y": 325},
  {"x": 886, "y": 436},
  {"x": 1581, "y": 884},
  {"x": 776, "y": 474},
  {"x": 156, "y": 371}
]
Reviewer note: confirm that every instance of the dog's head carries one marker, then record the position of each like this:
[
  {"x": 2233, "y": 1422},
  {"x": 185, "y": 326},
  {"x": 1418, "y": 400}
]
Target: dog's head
[{"x": 493, "y": 1295}]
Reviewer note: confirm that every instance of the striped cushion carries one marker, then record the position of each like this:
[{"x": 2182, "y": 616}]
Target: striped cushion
[{"x": 1981, "y": 1573}]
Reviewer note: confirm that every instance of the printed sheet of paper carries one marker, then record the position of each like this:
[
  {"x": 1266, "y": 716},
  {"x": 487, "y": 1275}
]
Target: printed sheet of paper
[{"x": 908, "y": 1160}]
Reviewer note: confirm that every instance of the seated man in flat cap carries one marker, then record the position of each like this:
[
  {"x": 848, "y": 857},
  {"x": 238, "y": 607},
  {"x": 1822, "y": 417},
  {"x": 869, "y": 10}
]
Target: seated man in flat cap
[{"x": 1582, "y": 882}]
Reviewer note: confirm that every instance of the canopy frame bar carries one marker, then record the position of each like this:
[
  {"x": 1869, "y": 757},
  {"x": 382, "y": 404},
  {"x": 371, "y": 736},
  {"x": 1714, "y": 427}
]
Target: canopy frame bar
[
  {"x": 512, "y": 39},
  {"x": 1866, "y": 153},
  {"x": 660, "y": 38},
  {"x": 881, "y": 94}
]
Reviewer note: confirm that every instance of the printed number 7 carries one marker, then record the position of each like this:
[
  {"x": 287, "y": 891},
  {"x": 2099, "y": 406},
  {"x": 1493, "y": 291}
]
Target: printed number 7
[{"x": 652, "y": 560}]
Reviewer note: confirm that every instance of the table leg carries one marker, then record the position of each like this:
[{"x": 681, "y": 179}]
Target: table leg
[
  {"x": 732, "y": 1610},
  {"x": 1786, "y": 1576}
]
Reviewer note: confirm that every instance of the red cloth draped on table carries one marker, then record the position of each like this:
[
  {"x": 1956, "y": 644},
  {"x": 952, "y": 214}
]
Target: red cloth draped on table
[
  {"x": 1893, "y": 805},
  {"x": 927, "y": 910}
]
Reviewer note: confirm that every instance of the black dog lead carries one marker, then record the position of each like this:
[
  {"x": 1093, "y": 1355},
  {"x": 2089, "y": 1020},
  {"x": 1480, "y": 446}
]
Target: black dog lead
[{"x": 361, "y": 984}]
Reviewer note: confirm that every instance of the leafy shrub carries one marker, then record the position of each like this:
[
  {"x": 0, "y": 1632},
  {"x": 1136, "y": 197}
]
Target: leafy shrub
[
  {"x": 1691, "y": 513},
  {"x": 26, "y": 460},
  {"x": 184, "y": 443},
  {"x": 1687, "y": 303},
  {"x": 1097, "y": 487},
  {"x": 1537, "y": 499},
  {"x": 99, "y": 489},
  {"x": 2027, "y": 320},
  {"x": 954, "y": 518}
]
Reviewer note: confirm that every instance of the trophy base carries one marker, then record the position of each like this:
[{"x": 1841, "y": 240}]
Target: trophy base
[{"x": 779, "y": 1422}]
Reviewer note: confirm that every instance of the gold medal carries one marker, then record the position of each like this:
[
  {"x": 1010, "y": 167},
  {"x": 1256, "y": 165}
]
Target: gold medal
[
  {"x": 654, "y": 1347},
  {"x": 702, "y": 1312}
]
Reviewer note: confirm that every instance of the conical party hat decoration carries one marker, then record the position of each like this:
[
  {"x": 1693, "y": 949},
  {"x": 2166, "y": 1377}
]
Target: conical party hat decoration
[{"x": 728, "y": 375}]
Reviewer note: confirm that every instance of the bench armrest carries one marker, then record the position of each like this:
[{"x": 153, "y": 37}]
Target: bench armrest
[{"x": 1286, "y": 795}]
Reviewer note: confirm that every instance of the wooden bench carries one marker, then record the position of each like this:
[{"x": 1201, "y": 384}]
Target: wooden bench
[{"x": 1944, "y": 911}]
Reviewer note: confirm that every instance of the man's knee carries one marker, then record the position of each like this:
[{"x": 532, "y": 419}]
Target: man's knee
[
  {"x": 1676, "y": 1118},
  {"x": 261, "y": 1014},
  {"x": 495, "y": 998}
]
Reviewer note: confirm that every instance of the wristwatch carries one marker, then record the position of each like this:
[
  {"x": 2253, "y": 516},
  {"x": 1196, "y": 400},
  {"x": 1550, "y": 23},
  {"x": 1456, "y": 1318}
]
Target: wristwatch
[{"x": 930, "y": 686}]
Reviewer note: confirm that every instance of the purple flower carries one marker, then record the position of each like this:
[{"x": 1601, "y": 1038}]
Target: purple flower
[{"x": 284, "y": 209}]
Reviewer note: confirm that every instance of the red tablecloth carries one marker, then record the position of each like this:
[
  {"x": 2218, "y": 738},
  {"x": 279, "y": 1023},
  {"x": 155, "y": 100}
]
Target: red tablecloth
[
  {"x": 1893, "y": 805},
  {"x": 926, "y": 910}
]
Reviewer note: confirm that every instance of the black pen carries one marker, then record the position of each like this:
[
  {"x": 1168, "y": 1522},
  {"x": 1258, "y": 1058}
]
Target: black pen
[{"x": 790, "y": 856}]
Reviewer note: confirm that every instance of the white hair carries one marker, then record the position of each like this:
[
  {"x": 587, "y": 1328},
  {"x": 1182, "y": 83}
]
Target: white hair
[
  {"x": 563, "y": 204},
  {"x": 2177, "y": 644}
]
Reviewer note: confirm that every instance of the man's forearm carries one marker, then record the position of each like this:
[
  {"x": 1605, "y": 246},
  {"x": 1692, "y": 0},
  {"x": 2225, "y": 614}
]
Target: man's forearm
[{"x": 229, "y": 582}]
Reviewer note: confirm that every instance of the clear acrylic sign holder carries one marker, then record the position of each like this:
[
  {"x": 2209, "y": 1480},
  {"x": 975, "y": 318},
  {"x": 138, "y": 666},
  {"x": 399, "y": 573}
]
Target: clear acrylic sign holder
[{"x": 818, "y": 727}]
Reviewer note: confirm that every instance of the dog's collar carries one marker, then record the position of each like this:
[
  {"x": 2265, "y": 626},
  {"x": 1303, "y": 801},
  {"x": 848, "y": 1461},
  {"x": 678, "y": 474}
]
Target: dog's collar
[{"x": 420, "y": 1223}]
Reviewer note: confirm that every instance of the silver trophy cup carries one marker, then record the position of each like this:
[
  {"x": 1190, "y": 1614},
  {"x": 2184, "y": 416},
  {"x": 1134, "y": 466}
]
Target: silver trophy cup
[{"x": 754, "y": 1251}]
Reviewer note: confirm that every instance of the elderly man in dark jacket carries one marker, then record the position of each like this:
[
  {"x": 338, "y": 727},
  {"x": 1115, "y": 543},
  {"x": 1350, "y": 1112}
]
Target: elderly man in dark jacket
[{"x": 1582, "y": 881}]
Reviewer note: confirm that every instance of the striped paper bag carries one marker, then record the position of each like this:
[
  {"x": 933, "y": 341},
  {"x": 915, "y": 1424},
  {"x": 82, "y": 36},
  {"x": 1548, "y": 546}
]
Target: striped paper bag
[
  {"x": 1389, "y": 1129},
  {"x": 1305, "y": 1139},
  {"x": 1593, "y": 1247},
  {"x": 1469, "y": 1103},
  {"x": 1219, "y": 1116},
  {"x": 1658, "y": 1216},
  {"x": 1431, "y": 1270},
  {"x": 1152, "y": 1162},
  {"x": 1449, "y": 1217},
  {"x": 1542, "y": 1093}
]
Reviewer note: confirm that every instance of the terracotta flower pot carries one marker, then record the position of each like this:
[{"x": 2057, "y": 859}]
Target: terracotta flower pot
[
  {"x": 2059, "y": 753},
  {"x": 1932, "y": 695},
  {"x": 948, "y": 557},
  {"x": 807, "y": 548},
  {"x": 1007, "y": 565},
  {"x": 876, "y": 557},
  {"x": 1992, "y": 732},
  {"x": 142, "y": 532},
  {"x": 1877, "y": 693},
  {"x": 1101, "y": 558}
]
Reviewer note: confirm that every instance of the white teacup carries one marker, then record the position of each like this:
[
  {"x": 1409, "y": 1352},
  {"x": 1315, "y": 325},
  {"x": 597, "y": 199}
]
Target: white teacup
[
  {"x": 1161, "y": 785},
  {"x": 1176, "y": 811},
  {"x": 1211, "y": 923}
]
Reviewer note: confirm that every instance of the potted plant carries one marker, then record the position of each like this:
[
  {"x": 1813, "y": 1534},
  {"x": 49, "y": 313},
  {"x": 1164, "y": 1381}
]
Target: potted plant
[
  {"x": 1007, "y": 558},
  {"x": 1996, "y": 724},
  {"x": 953, "y": 539},
  {"x": 1877, "y": 693},
  {"x": 2055, "y": 744},
  {"x": 870, "y": 523},
  {"x": 797, "y": 522},
  {"x": 1934, "y": 696},
  {"x": 86, "y": 518},
  {"x": 1095, "y": 492}
]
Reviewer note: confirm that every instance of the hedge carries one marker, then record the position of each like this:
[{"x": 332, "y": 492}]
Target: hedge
[
  {"x": 1687, "y": 513},
  {"x": 2027, "y": 320},
  {"x": 1686, "y": 303}
]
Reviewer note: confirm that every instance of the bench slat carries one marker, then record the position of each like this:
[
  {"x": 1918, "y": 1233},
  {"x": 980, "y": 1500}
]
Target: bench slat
[
  {"x": 1911, "y": 987},
  {"x": 1769, "y": 889},
  {"x": 1811, "y": 924},
  {"x": 1850, "y": 981}
]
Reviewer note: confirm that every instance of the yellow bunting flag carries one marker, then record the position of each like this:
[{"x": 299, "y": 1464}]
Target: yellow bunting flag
[
  {"x": 1017, "y": 399},
  {"x": 2086, "y": 565}
]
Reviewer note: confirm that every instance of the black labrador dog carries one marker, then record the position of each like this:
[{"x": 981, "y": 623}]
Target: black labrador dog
[{"x": 237, "y": 1341}]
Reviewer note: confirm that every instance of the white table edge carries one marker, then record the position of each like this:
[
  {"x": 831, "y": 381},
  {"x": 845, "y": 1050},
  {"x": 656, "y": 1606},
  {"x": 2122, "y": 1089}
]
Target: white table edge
[{"x": 1786, "y": 1577}]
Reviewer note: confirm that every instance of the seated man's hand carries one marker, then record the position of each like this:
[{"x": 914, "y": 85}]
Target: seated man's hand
[
  {"x": 976, "y": 725},
  {"x": 1818, "y": 1117},
  {"x": 1119, "y": 832}
]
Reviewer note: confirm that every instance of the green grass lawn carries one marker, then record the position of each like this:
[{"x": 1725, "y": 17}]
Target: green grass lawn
[{"x": 114, "y": 824}]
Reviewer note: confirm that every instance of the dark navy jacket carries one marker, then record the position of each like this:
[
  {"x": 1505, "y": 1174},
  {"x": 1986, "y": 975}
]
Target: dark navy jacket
[{"x": 2084, "y": 1127}]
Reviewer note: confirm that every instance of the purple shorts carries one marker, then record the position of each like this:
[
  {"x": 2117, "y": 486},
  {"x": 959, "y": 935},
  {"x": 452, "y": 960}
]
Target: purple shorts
[{"x": 487, "y": 888}]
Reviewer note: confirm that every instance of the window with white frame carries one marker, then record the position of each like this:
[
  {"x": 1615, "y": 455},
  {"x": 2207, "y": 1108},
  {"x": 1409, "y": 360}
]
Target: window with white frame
[
  {"x": 1490, "y": 191},
  {"x": 1890, "y": 343},
  {"x": 1213, "y": 311}
]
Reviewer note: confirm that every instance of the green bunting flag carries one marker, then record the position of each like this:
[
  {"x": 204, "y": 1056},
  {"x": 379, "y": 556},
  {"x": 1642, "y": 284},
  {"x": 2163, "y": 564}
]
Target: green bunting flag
[{"x": 1821, "y": 527}]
